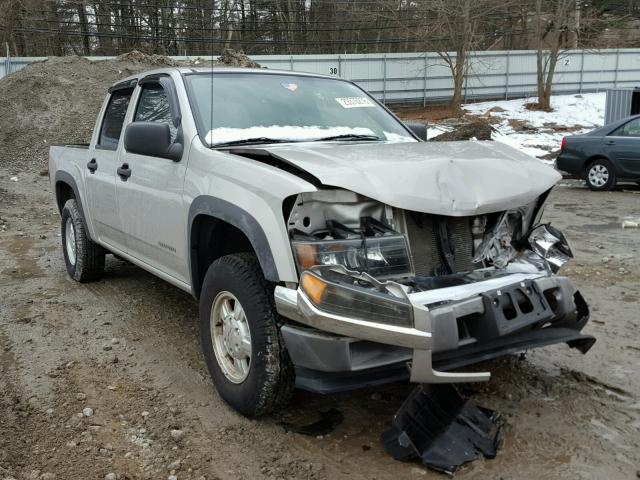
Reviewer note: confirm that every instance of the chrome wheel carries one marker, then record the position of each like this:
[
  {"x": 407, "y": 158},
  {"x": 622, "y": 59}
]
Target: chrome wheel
[
  {"x": 598, "y": 175},
  {"x": 70, "y": 240},
  {"x": 231, "y": 337}
]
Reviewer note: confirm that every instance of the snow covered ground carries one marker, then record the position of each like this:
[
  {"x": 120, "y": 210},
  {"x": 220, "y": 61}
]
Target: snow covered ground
[{"x": 539, "y": 133}]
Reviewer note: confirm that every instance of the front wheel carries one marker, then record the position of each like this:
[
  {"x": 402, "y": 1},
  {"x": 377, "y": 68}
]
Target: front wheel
[
  {"x": 600, "y": 175},
  {"x": 241, "y": 339}
]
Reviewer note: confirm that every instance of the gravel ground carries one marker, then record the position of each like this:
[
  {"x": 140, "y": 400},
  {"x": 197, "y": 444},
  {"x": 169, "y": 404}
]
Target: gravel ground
[{"x": 106, "y": 380}]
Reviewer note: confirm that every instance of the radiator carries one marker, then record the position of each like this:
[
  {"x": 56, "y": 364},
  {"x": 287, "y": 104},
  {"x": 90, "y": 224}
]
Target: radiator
[{"x": 423, "y": 243}]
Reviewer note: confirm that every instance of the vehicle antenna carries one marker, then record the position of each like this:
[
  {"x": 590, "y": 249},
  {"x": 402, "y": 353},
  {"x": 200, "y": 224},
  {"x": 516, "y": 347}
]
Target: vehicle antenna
[{"x": 213, "y": 4}]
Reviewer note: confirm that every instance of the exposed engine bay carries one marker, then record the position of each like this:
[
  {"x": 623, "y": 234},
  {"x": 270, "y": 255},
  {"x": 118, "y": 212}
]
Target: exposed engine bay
[{"x": 338, "y": 227}]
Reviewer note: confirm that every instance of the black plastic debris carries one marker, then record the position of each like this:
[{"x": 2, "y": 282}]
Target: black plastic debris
[
  {"x": 442, "y": 429},
  {"x": 329, "y": 420}
]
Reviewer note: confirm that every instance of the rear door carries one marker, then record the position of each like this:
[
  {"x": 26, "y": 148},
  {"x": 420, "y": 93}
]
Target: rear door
[
  {"x": 100, "y": 173},
  {"x": 623, "y": 147},
  {"x": 150, "y": 198}
]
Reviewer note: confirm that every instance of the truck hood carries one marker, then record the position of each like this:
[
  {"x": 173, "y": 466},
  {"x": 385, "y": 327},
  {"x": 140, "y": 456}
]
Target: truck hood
[{"x": 443, "y": 178}]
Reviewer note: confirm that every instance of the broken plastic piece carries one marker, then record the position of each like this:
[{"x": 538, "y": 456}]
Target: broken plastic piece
[
  {"x": 442, "y": 429},
  {"x": 631, "y": 222},
  {"x": 329, "y": 420}
]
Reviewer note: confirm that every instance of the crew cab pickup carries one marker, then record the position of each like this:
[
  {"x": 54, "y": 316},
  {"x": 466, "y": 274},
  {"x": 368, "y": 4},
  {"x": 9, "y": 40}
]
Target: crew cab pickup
[{"x": 329, "y": 246}]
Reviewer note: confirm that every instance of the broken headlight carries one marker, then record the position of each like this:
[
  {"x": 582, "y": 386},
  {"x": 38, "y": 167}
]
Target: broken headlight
[
  {"x": 376, "y": 249},
  {"x": 355, "y": 300},
  {"x": 551, "y": 244}
]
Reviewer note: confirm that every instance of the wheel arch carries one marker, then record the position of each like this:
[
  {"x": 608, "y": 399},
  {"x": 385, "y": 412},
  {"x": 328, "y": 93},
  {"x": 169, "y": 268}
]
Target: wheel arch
[
  {"x": 596, "y": 156},
  {"x": 65, "y": 189},
  {"x": 211, "y": 218}
]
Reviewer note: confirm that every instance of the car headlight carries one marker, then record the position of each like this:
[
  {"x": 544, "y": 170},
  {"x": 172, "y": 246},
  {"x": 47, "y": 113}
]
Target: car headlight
[
  {"x": 378, "y": 256},
  {"x": 551, "y": 244},
  {"x": 356, "y": 301}
]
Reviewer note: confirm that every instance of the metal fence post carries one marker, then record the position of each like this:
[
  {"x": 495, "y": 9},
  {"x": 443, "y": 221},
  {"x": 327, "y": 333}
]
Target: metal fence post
[
  {"x": 7, "y": 61},
  {"x": 340, "y": 66},
  {"x": 424, "y": 93},
  {"x": 506, "y": 76},
  {"x": 291, "y": 62},
  {"x": 581, "y": 70},
  {"x": 384, "y": 78},
  {"x": 615, "y": 75}
]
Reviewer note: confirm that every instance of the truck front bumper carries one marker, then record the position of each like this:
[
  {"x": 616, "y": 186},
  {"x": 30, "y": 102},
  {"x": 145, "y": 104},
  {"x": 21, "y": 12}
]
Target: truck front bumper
[{"x": 452, "y": 327}]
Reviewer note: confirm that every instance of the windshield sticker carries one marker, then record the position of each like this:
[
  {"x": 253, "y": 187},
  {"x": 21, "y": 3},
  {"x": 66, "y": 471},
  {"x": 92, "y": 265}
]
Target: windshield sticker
[
  {"x": 292, "y": 87},
  {"x": 355, "y": 102}
]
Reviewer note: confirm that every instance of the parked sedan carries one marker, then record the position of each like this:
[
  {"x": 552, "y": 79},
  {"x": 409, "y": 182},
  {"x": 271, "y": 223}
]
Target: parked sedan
[{"x": 605, "y": 155}]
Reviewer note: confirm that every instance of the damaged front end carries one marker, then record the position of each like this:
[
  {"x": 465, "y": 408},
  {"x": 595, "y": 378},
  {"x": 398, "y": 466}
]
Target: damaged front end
[{"x": 383, "y": 288}]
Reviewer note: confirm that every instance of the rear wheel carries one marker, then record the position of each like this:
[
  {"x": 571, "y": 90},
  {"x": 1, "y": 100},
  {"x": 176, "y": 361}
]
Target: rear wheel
[
  {"x": 83, "y": 258},
  {"x": 600, "y": 175},
  {"x": 241, "y": 338}
]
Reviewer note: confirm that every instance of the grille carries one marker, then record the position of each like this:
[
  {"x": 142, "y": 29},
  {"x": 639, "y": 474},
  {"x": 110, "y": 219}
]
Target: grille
[{"x": 424, "y": 244}]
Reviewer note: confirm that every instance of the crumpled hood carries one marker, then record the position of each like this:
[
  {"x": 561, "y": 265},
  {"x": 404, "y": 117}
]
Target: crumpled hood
[{"x": 444, "y": 178}]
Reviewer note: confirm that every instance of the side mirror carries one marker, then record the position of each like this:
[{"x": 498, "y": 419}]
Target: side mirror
[
  {"x": 419, "y": 130},
  {"x": 151, "y": 139}
]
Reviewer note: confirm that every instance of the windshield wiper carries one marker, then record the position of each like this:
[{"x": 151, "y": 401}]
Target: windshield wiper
[
  {"x": 348, "y": 136},
  {"x": 250, "y": 141}
]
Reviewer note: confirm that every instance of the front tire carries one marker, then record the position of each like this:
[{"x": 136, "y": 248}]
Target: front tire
[
  {"x": 241, "y": 339},
  {"x": 84, "y": 258},
  {"x": 600, "y": 175}
]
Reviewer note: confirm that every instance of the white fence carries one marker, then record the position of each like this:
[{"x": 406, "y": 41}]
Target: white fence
[{"x": 423, "y": 77}]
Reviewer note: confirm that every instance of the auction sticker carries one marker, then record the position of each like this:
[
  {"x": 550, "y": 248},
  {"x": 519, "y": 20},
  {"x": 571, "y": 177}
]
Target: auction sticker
[{"x": 355, "y": 102}]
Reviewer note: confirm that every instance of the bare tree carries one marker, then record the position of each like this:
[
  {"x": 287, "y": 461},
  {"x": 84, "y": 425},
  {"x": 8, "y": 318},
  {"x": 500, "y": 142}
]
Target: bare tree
[
  {"x": 554, "y": 26},
  {"x": 453, "y": 29}
]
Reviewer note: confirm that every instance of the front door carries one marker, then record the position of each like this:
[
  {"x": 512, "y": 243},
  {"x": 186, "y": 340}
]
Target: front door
[
  {"x": 623, "y": 147},
  {"x": 150, "y": 198},
  {"x": 100, "y": 171}
]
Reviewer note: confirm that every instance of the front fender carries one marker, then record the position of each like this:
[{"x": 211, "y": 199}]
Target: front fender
[{"x": 243, "y": 221}]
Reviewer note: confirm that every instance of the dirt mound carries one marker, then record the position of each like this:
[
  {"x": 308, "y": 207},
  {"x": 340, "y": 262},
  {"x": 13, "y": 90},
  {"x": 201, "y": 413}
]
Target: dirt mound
[
  {"x": 479, "y": 131},
  {"x": 136, "y": 56},
  {"x": 237, "y": 58},
  {"x": 57, "y": 101}
]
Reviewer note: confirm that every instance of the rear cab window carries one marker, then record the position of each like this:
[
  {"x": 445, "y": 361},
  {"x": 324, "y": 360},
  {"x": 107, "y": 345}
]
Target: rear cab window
[{"x": 113, "y": 120}]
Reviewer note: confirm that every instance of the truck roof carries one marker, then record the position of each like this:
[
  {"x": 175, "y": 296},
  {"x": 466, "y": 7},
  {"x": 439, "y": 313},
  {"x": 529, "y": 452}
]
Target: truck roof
[{"x": 218, "y": 69}]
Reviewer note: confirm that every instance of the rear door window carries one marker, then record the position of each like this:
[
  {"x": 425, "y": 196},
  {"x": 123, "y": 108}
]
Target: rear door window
[
  {"x": 629, "y": 129},
  {"x": 154, "y": 106},
  {"x": 632, "y": 128},
  {"x": 114, "y": 118}
]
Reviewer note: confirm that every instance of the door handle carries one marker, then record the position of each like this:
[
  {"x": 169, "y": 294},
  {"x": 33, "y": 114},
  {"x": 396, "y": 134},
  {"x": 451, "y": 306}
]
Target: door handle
[
  {"x": 92, "y": 165},
  {"x": 124, "y": 171},
  {"x": 610, "y": 142}
]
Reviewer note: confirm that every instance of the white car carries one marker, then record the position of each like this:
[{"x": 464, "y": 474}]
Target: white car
[{"x": 330, "y": 246}]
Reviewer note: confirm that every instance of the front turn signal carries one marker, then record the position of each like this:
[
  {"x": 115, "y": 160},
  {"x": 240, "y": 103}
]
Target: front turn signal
[{"x": 314, "y": 287}]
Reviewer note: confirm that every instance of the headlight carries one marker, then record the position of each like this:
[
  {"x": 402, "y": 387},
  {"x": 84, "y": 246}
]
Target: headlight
[
  {"x": 551, "y": 244},
  {"x": 355, "y": 301},
  {"x": 378, "y": 256}
]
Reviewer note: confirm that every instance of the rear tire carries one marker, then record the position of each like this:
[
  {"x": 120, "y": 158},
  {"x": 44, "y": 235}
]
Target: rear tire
[
  {"x": 250, "y": 366},
  {"x": 84, "y": 258},
  {"x": 600, "y": 175}
]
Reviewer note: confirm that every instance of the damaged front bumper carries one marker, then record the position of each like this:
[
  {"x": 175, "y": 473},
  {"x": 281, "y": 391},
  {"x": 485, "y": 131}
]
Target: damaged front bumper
[{"x": 472, "y": 320}]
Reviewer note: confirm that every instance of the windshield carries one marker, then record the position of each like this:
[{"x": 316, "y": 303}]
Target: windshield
[{"x": 264, "y": 107}]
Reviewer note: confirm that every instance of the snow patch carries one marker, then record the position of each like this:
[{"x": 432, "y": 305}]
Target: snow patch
[
  {"x": 539, "y": 133},
  {"x": 281, "y": 132}
]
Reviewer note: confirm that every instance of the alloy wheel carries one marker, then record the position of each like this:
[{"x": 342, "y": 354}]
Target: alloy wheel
[{"x": 231, "y": 337}]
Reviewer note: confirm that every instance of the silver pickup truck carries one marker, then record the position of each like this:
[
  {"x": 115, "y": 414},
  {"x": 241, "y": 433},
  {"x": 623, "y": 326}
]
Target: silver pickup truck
[{"x": 329, "y": 245}]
